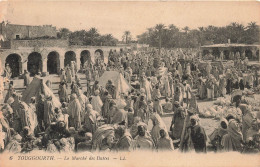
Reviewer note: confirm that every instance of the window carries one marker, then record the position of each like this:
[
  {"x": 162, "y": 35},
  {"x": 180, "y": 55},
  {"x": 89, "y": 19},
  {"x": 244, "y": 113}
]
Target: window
[{"x": 17, "y": 36}]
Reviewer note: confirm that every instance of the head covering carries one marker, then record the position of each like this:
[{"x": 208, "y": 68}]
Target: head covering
[
  {"x": 33, "y": 98},
  {"x": 142, "y": 90},
  {"x": 223, "y": 120},
  {"x": 88, "y": 135},
  {"x": 96, "y": 92},
  {"x": 10, "y": 100},
  {"x": 89, "y": 106},
  {"x": 195, "y": 117},
  {"x": 243, "y": 108}
]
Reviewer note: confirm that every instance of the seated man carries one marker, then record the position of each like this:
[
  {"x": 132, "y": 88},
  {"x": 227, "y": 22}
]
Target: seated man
[
  {"x": 253, "y": 138},
  {"x": 54, "y": 133},
  {"x": 165, "y": 142},
  {"x": 143, "y": 141},
  {"x": 124, "y": 142}
]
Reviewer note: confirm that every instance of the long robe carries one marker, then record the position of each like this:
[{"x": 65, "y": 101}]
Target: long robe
[
  {"x": 144, "y": 143},
  {"x": 91, "y": 120},
  {"x": 72, "y": 69},
  {"x": 125, "y": 142},
  {"x": 158, "y": 125},
  {"x": 119, "y": 116},
  {"x": 48, "y": 112},
  {"x": 68, "y": 75},
  {"x": 28, "y": 116},
  {"x": 148, "y": 89},
  {"x": 74, "y": 109},
  {"x": 10, "y": 92},
  {"x": 62, "y": 76},
  {"x": 179, "y": 69},
  {"x": 198, "y": 138},
  {"x": 166, "y": 86},
  {"x": 247, "y": 120},
  {"x": 63, "y": 93},
  {"x": 158, "y": 107},
  {"x": 178, "y": 122},
  {"x": 232, "y": 140},
  {"x": 97, "y": 104},
  {"x": 26, "y": 79},
  {"x": 33, "y": 116},
  {"x": 165, "y": 144},
  {"x": 83, "y": 102}
]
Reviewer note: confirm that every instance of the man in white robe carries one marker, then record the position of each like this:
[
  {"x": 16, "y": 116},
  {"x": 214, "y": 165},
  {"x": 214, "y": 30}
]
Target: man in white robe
[{"x": 97, "y": 102}]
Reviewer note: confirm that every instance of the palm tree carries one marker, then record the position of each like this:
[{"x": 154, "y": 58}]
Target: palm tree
[
  {"x": 160, "y": 28},
  {"x": 126, "y": 36},
  {"x": 173, "y": 28},
  {"x": 186, "y": 29},
  {"x": 93, "y": 34},
  {"x": 201, "y": 29},
  {"x": 252, "y": 25},
  {"x": 63, "y": 33}
]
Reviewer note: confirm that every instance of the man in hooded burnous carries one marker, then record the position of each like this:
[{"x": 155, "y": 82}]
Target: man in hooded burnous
[
  {"x": 48, "y": 111},
  {"x": 74, "y": 109},
  {"x": 26, "y": 78},
  {"x": 91, "y": 118}
]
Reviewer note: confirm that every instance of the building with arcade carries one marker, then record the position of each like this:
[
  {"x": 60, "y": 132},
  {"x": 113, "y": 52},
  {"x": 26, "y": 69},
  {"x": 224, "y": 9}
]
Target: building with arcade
[
  {"x": 25, "y": 47},
  {"x": 250, "y": 51}
]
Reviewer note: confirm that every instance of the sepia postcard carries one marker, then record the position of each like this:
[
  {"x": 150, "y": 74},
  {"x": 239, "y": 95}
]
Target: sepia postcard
[{"x": 129, "y": 83}]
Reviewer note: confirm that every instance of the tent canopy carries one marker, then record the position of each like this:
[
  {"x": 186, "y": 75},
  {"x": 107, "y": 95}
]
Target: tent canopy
[
  {"x": 122, "y": 86},
  {"x": 37, "y": 87}
]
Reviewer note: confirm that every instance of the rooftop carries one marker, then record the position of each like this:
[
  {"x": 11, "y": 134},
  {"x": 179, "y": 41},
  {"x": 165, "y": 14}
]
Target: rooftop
[{"x": 227, "y": 45}]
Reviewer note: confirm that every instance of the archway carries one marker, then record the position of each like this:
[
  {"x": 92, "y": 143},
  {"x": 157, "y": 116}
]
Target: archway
[
  {"x": 84, "y": 57},
  {"x": 226, "y": 54},
  {"x": 34, "y": 64},
  {"x": 216, "y": 52},
  {"x": 14, "y": 62},
  {"x": 69, "y": 56},
  {"x": 249, "y": 54},
  {"x": 53, "y": 63},
  {"x": 205, "y": 52},
  {"x": 100, "y": 53}
]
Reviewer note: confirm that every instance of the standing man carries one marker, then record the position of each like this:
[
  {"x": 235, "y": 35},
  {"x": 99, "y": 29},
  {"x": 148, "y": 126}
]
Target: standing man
[
  {"x": 26, "y": 78},
  {"x": 186, "y": 93},
  {"x": 91, "y": 118},
  {"x": 48, "y": 111}
]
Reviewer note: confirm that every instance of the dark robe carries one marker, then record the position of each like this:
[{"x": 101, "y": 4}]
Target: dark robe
[
  {"x": 198, "y": 138},
  {"x": 229, "y": 83},
  {"x": 241, "y": 85}
]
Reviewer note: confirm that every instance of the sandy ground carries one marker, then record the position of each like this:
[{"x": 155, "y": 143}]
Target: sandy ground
[{"x": 208, "y": 124}]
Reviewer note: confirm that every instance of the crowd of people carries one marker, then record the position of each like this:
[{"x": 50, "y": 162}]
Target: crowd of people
[{"x": 91, "y": 118}]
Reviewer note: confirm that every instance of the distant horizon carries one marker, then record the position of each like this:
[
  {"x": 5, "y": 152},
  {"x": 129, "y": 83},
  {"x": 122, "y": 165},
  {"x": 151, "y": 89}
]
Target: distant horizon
[{"x": 116, "y": 17}]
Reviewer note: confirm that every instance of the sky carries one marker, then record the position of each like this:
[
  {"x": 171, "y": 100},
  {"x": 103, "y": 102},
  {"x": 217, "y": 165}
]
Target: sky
[{"x": 136, "y": 17}]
